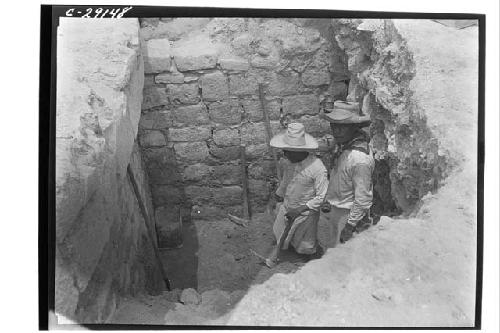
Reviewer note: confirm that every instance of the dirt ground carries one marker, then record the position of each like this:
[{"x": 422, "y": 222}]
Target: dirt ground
[{"x": 417, "y": 271}]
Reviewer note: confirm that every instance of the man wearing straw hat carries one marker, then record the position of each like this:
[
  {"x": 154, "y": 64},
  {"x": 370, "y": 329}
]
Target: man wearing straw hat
[
  {"x": 302, "y": 189},
  {"x": 350, "y": 192}
]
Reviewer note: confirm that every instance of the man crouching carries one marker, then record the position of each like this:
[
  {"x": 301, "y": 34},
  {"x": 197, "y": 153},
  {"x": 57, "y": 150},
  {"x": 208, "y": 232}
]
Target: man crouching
[{"x": 302, "y": 189}]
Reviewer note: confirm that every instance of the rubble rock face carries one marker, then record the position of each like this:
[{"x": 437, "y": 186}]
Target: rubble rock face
[
  {"x": 103, "y": 249},
  {"x": 206, "y": 104},
  {"x": 382, "y": 68}
]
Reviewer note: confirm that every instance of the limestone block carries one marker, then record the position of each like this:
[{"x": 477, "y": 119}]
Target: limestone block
[
  {"x": 191, "y": 115},
  {"x": 261, "y": 169},
  {"x": 191, "y": 152},
  {"x": 270, "y": 62},
  {"x": 252, "y": 133},
  {"x": 233, "y": 63},
  {"x": 154, "y": 96},
  {"x": 157, "y": 53},
  {"x": 316, "y": 76},
  {"x": 164, "y": 195},
  {"x": 301, "y": 104},
  {"x": 314, "y": 125},
  {"x": 159, "y": 157},
  {"x": 166, "y": 175},
  {"x": 243, "y": 85},
  {"x": 169, "y": 226},
  {"x": 214, "y": 87},
  {"x": 152, "y": 139},
  {"x": 183, "y": 93},
  {"x": 156, "y": 120},
  {"x": 195, "y": 52},
  {"x": 199, "y": 194},
  {"x": 227, "y": 137},
  {"x": 149, "y": 80},
  {"x": 257, "y": 151},
  {"x": 227, "y": 174},
  {"x": 197, "y": 172},
  {"x": 189, "y": 134},
  {"x": 175, "y": 28},
  {"x": 258, "y": 189},
  {"x": 253, "y": 109},
  {"x": 226, "y": 113},
  {"x": 339, "y": 90},
  {"x": 228, "y": 195},
  {"x": 190, "y": 297},
  {"x": 225, "y": 154},
  {"x": 284, "y": 84},
  {"x": 175, "y": 77}
]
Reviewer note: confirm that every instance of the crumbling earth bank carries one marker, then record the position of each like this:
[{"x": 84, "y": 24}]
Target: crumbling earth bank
[{"x": 102, "y": 246}]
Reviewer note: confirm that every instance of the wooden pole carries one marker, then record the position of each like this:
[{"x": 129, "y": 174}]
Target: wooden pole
[
  {"x": 269, "y": 133},
  {"x": 244, "y": 180}
]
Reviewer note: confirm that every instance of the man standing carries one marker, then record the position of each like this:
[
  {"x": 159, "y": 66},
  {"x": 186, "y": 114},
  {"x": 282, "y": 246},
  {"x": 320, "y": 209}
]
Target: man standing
[
  {"x": 302, "y": 189},
  {"x": 350, "y": 192}
]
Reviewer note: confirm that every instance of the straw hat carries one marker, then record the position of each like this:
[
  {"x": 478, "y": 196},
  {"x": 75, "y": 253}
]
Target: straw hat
[
  {"x": 345, "y": 113},
  {"x": 294, "y": 138}
]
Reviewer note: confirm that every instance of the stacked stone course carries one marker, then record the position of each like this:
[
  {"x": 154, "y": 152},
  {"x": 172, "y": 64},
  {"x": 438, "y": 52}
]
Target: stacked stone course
[{"x": 201, "y": 102}]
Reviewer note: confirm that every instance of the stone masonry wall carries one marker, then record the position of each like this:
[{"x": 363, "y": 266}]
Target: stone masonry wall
[
  {"x": 102, "y": 245},
  {"x": 201, "y": 102}
]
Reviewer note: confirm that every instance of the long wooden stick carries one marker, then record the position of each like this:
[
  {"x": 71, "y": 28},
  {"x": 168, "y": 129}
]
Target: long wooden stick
[
  {"x": 148, "y": 228},
  {"x": 244, "y": 180},
  {"x": 269, "y": 133}
]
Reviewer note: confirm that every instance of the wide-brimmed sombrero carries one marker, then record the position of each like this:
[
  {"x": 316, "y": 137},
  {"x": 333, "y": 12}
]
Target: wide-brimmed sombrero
[
  {"x": 294, "y": 138},
  {"x": 345, "y": 113}
]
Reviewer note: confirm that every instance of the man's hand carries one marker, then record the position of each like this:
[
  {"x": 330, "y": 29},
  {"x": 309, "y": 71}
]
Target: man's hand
[
  {"x": 293, "y": 213},
  {"x": 347, "y": 232},
  {"x": 278, "y": 198}
]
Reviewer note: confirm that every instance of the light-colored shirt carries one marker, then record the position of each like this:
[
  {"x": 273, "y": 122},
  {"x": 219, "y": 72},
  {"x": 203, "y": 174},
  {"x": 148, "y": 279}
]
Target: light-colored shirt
[
  {"x": 303, "y": 183},
  {"x": 351, "y": 183}
]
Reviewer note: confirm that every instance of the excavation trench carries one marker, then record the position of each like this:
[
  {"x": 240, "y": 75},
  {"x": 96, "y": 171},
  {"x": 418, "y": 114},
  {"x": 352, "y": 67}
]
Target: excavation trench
[
  {"x": 201, "y": 103},
  {"x": 151, "y": 119}
]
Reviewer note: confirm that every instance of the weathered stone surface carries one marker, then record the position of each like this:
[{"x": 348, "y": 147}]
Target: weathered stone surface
[
  {"x": 262, "y": 169},
  {"x": 164, "y": 195},
  {"x": 225, "y": 154},
  {"x": 301, "y": 104},
  {"x": 264, "y": 62},
  {"x": 190, "y": 297},
  {"x": 190, "y": 115},
  {"x": 189, "y": 134},
  {"x": 214, "y": 87},
  {"x": 227, "y": 174},
  {"x": 339, "y": 90},
  {"x": 228, "y": 195},
  {"x": 194, "y": 53},
  {"x": 154, "y": 96},
  {"x": 152, "y": 139},
  {"x": 199, "y": 194},
  {"x": 226, "y": 113},
  {"x": 284, "y": 84},
  {"x": 233, "y": 63},
  {"x": 227, "y": 137},
  {"x": 170, "y": 78},
  {"x": 191, "y": 152},
  {"x": 159, "y": 157},
  {"x": 166, "y": 175},
  {"x": 156, "y": 54},
  {"x": 243, "y": 85},
  {"x": 253, "y": 109},
  {"x": 169, "y": 226},
  {"x": 252, "y": 133},
  {"x": 315, "y": 125},
  {"x": 316, "y": 76},
  {"x": 100, "y": 80},
  {"x": 174, "y": 28},
  {"x": 258, "y": 189},
  {"x": 197, "y": 172},
  {"x": 183, "y": 93},
  {"x": 156, "y": 120},
  {"x": 257, "y": 151}
]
